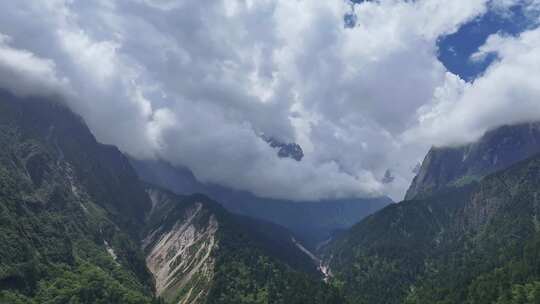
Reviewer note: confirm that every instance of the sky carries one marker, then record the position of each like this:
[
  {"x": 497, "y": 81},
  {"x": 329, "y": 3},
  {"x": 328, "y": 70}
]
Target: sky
[{"x": 365, "y": 87}]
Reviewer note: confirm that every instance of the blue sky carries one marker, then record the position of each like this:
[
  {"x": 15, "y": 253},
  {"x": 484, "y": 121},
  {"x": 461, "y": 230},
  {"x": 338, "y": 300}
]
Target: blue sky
[{"x": 456, "y": 49}]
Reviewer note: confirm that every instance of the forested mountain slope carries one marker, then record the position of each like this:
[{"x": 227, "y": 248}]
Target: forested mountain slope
[
  {"x": 70, "y": 210},
  {"x": 478, "y": 243}
]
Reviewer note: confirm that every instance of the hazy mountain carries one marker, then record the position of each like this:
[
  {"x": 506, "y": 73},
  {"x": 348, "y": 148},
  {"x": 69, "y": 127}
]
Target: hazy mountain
[
  {"x": 70, "y": 211},
  {"x": 313, "y": 222},
  {"x": 497, "y": 149}
]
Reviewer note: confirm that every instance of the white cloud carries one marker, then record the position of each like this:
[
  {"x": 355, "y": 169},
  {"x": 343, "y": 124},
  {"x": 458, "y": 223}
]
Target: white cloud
[
  {"x": 26, "y": 74},
  {"x": 507, "y": 93},
  {"x": 195, "y": 82}
]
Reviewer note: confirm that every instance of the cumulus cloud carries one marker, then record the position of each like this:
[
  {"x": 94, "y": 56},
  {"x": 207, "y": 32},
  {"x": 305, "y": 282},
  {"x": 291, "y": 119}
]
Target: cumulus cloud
[
  {"x": 508, "y": 93},
  {"x": 26, "y": 74},
  {"x": 198, "y": 82}
]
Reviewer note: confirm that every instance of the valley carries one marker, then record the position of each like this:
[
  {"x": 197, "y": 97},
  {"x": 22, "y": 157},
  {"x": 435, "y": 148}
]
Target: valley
[
  {"x": 270, "y": 152},
  {"x": 75, "y": 210}
]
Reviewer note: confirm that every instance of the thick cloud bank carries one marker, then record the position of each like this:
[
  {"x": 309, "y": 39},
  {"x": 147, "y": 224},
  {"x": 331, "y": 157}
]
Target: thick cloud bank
[{"x": 198, "y": 83}]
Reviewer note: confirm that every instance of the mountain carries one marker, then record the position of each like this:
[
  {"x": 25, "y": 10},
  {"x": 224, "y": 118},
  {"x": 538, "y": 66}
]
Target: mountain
[
  {"x": 468, "y": 242},
  {"x": 200, "y": 253},
  {"x": 313, "y": 222},
  {"x": 285, "y": 150},
  {"x": 78, "y": 226},
  {"x": 497, "y": 149},
  {"x": 71, "y": 210}
]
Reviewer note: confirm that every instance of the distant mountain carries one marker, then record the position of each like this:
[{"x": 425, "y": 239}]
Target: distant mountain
[
  {"x": 460, "y": 239},
  {"x": 200, "y": 253},
  {"x": 497, "y": 149},
  {"x": 313, "y": 222}
]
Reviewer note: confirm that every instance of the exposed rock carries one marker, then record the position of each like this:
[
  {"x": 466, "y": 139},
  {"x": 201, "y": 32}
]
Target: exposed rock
[
  {"x": 285, "y": 150},
  {"x": 180, "y": 256}
]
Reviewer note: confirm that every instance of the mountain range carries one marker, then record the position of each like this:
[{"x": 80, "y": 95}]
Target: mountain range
[
  {"x": 467, "y": 233},
  {"x": 80, "y": 222}
]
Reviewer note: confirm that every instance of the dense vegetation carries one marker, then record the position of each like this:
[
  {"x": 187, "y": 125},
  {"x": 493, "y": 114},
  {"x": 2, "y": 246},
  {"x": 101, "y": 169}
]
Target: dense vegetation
[
  {"x": 252, "y": 269},
  {"x": 56, "y": 223},
  {"x": 478, "y": 243},
  {"x": 245, "y": 275}
]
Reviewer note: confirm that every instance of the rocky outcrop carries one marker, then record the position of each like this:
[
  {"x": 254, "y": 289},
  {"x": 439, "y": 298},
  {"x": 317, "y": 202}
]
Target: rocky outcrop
[{"x": 285, "y": 150}]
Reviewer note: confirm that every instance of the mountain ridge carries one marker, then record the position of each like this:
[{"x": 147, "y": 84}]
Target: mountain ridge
[{"x": 495, "y": 150}]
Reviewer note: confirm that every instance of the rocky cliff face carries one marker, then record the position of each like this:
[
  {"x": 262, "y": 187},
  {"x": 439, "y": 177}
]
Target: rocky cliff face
[
  {"x": 179, "y": 248},
  {"x": 455, "y": 166}
]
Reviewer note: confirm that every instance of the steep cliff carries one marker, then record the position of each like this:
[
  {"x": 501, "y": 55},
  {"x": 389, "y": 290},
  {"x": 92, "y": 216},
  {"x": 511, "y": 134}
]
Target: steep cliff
[{"x": 453, "y": 166}]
